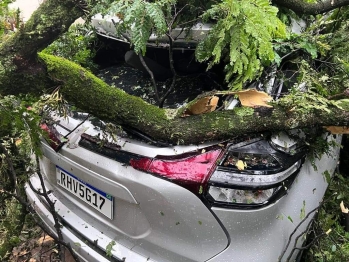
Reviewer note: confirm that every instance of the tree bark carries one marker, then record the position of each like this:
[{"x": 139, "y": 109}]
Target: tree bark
[
  {"x": 18, "y": 64},
  {"x": 88, "y": 93},
  {"x": 21, "y": 73},
  {"x": 319, "y": 7}
]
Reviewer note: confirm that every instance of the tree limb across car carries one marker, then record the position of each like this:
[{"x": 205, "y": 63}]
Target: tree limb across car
[
  {"x": 88, "y": 93},
  {"x": 22, "y": 72}
]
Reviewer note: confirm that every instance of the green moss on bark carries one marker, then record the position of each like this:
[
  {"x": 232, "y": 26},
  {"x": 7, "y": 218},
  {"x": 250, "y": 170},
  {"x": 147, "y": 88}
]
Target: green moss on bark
[
  {"x": 19, "y": 70},
  {"x": 89, "y": 93}
]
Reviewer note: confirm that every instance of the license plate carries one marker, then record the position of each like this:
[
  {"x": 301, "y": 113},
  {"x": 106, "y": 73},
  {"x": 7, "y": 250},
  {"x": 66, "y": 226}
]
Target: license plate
[{"x": 94, "y": 197}]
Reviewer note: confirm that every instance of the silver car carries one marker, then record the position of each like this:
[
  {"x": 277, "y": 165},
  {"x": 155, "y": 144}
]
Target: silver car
[
  {"x": 130, "y": 199},
  {"x": 106, "y": 26}
]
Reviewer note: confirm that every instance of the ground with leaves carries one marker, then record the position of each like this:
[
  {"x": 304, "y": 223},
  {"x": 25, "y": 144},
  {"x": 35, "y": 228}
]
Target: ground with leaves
[{"x": 36, "y": 246}]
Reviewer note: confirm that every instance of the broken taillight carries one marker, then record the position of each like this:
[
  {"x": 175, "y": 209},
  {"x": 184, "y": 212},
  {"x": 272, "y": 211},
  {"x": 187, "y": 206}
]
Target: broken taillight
[
  {"x": 252, "y": 174},
  {"x": 248, "y": 174},
  {"x": 190, "y": 171},
  {"x": 53, "y": 138}
]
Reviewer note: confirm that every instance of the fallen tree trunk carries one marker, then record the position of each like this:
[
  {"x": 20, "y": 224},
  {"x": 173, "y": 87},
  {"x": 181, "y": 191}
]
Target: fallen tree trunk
[
  {"x": 19, "y": 70},
  {"x": 21, "y": 73},
  {"x": 92, "y": 95}
]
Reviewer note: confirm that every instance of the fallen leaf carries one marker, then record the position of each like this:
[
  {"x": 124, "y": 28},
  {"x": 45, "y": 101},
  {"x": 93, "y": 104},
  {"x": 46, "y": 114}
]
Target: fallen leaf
[
  {"x": 22, "y": 253},
  {"x": 203, "y": 105},
  {"x": 45, "y": 240},
  {"x": 343, "y": 208},
  {"x": 18, "y": 142},
  {"x": 16, "y": 251},
  {"x": 337, "y": 129},
  {"x": 253, "y": 98},
  {"x": 250, "y": 97},
  {"x": 240, "y": 165}
]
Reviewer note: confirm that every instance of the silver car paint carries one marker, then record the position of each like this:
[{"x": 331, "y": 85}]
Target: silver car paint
[
  {"x": 158, "y": 215},
  {"x": 261, "y": 235},
  {"x": 160, "y": 221}
]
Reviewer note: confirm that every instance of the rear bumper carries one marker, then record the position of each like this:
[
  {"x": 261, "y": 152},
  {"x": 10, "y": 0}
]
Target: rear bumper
[{"x": 90, "y": 244}]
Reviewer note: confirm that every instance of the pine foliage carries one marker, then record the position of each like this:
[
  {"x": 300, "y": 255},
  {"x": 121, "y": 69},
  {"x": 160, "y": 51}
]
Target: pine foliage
[{"x": 241, "y": 37}]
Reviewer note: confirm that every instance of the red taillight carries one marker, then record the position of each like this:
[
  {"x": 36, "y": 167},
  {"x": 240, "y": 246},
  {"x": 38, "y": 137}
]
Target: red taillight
[
  {"x": 191, "y": 172},
  {"x": 53, "y": 136}
]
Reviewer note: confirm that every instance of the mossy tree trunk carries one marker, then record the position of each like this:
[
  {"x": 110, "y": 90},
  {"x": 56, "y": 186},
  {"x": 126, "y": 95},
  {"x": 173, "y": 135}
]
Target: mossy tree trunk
[
  {"x": 21, "y": 72},
  {"x": 91, "y": 94}
]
